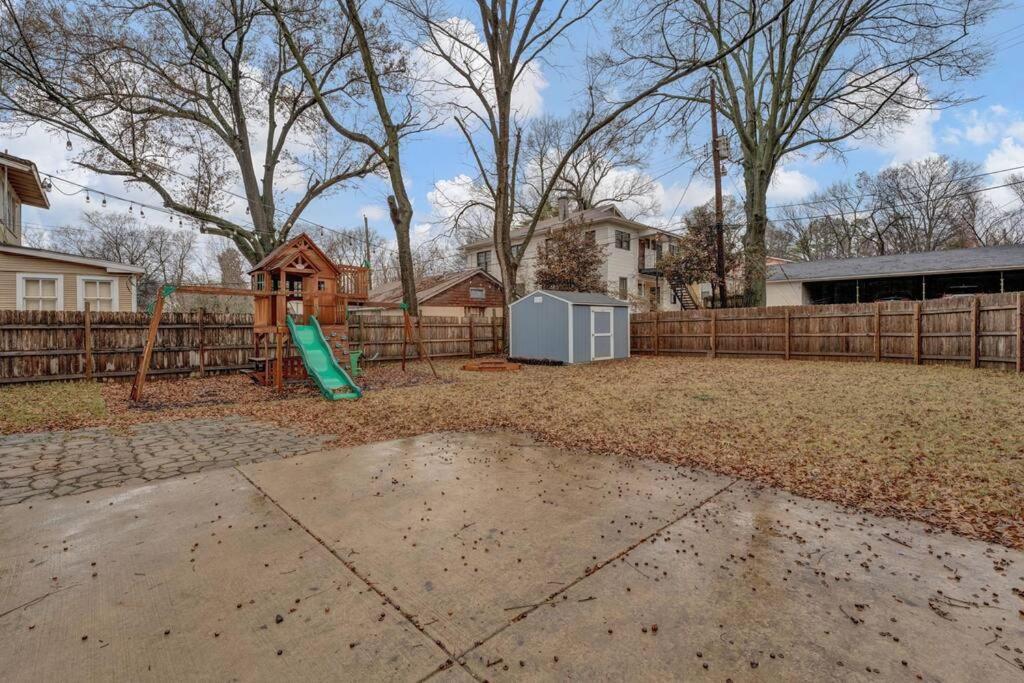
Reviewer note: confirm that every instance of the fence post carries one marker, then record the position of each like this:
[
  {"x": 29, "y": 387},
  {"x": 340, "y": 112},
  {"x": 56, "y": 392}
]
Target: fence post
[
  {"x": 657, "y": 333},
  {"x": 472, "y": 339},
  {"x": 787, "y": 334},
  {"x": 202, "y": 343},
  {"x": 1020, "y": 332},
  {"x": 87, "y": 340},
  {"x": 917, "y": 333},
  {"x": 714, "y": 332},
  {"x": 878, "y": 331},
  {"x": 975, "y": 320},
  {"x": 494, "y": 334}
]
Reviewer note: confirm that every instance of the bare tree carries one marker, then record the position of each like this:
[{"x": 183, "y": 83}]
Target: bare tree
[
  {"x": 826, "y": 71},
  {"x": 187, "y": 99},
  {"x": 396, "y": 114},
  {"x": 479, "y": 74},
  {"x": 607, "y": 169},
  {"x": 167, "y": 255},
  {"x": 570, "y": 260}
]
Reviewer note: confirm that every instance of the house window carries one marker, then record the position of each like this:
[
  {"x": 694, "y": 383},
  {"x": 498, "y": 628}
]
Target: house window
[
  {"x": 623, "y": 287},
  {"x": 622, "y": 239},
  {"x": 99, "y": 292},
  {"x": 40, "y": 292},
  {"x": 321, "y": 285},
  {"x": 477, "y": 293},
  {"x": 591, "y": 235},
  {"x": 640, "y": 289},
  {"x": 483, "y": 260}
]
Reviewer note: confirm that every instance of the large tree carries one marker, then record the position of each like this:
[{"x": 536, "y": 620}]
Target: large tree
[
  {"x": 570, "y": 260},
  {"x": 396, "y": 113},
  {"x": 189, "y": 99},
  {"x": 478, "y": 68},
  {"x": 825, "y": 72}
]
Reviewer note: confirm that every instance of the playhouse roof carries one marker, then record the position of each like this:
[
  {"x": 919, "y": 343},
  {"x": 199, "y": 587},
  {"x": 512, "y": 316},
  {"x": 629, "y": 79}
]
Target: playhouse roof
[{"x": 288, "y": 253}]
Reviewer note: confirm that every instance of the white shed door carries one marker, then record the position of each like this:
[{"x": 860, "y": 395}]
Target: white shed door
[{"x": 602, "y": 344}]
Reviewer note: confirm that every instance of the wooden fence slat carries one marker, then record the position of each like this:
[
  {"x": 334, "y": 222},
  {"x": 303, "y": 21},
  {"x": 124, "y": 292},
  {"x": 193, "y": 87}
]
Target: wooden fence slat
[
  {"x": 87, "y": 340},
  {"x": 936, "y": 330}
]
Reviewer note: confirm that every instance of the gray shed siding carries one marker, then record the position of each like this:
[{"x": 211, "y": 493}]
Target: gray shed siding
[{"x": 540, "y": 330}]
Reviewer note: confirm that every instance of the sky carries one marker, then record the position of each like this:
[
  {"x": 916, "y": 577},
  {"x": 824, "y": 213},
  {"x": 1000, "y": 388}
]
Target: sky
[{"x": 988, "y": 130}]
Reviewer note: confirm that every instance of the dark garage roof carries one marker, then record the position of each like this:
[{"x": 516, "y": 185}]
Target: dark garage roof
[
  {"x": 580, "y": 298},
  {"x": 924, "y": 263}
]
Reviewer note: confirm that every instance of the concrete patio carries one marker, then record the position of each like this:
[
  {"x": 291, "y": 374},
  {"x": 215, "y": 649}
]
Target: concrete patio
[{"x": 461, "y": 556}]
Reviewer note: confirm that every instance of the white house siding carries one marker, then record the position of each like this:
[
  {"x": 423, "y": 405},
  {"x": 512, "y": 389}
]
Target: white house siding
[
  {"x": 618, "y": 263},
  {"x": 785, "y": 294}
]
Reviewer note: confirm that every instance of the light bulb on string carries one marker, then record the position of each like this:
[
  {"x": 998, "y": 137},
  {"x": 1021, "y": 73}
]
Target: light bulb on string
[
  {"x": 69, "y": 146},
  {"x": 131, "y": 207},
  {"x": 142, "y": 212},
  {"x": 87, "y": 200},
  {"x": 104, "y": 202}
]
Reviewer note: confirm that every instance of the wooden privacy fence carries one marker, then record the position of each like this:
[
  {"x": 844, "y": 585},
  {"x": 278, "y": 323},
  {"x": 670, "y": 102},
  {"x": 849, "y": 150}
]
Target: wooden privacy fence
[
  {"x": 981, "y": 331},
  {"x": 40, "y": 346}
]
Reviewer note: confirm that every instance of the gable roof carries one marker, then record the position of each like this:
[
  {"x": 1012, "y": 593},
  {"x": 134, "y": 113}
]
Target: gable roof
[
  {"x": 1009, "y": 257},
  {"x": 24, "y": 178},
  {"x": 428, "y": 287},
  {"x": 112, "y": 267},
  {"x": 599, "y": 214},
  {"x": 284, "y": 253},
  {"x": 577, "y": 298}
]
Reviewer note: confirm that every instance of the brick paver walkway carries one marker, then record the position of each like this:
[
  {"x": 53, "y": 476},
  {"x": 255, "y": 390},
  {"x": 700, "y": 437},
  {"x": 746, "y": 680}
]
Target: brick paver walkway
[{"x": 52, "y": 464}]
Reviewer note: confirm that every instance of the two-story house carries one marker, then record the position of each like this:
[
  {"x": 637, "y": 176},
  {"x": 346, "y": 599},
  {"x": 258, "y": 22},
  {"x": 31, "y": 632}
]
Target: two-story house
[
  {"x": 632, "y": 251},
  {"x": 42, "y": 280}
]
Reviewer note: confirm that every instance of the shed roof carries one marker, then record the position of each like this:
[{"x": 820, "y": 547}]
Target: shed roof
[
  {"x": 579, "y": 298},
  {"x": 923, "y": 263}
]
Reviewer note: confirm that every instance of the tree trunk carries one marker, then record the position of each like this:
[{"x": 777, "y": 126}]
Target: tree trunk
[
  {"x": 401, "y": 217},
  {"x": 754, "y": 251}
]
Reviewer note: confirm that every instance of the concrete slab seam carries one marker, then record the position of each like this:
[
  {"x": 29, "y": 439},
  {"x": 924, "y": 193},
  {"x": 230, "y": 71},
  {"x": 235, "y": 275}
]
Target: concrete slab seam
[
  {"x": 452, "y": 661},
  {"x": 596, "y": 568}
]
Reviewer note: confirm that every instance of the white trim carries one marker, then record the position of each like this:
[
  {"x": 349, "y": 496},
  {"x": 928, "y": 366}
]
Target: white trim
[
  {"x": 115, "y": 303},
  {"x": 19, "y": 288},
  {"x": 572, "y": 313},
  {"x": 110, "y": 266},
  {"x": 133, "y": 287},
  {"x": 539, "y": 291},
  {"x": 610, "y": 334}
]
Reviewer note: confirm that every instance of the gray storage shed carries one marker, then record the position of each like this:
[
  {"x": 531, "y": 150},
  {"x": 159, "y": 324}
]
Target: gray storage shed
[{"x": 570, "y": 327}]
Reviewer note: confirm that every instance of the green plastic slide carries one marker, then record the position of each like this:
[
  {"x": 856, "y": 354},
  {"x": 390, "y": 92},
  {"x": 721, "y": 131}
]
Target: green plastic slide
[{"x": 334, "y": 383}]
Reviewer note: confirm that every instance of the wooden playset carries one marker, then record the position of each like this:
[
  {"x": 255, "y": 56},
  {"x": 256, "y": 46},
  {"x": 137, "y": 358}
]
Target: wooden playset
[{"x": 301, "y": 301}]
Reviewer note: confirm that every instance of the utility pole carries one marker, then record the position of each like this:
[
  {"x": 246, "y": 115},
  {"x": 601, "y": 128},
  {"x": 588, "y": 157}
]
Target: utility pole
[
  {"x": 366, "y": 260},
  {"x": 716, "y": 159}
]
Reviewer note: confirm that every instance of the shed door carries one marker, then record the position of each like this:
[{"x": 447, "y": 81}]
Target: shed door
[{"x": 602, "y": 345}]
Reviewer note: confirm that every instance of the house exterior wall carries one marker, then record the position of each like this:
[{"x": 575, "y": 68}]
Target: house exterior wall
[
  {"x": 13, "y": 264},
  {"x": 539, "y": 328},
  {"x": 459, "y": 298},
  {"x": 10, "y": 211},
  {"x": 619, "y": 263},
  {"x": 785, "y": 294}
]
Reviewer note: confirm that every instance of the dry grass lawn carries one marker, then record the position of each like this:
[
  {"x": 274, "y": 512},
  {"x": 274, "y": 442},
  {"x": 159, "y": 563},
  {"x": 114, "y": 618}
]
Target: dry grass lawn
[{"x": 940, "y": 444}]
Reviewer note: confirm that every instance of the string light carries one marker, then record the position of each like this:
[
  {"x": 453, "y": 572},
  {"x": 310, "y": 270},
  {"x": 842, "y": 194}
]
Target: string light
[
  {"x": 104, "y": 202},
  {"x": 131, "y": 208},
  {"x": 69, "y": 146},
  {"x": 87, "y": 199}
]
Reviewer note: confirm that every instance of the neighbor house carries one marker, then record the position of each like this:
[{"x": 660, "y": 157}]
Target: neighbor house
[
  {"x": 41, "y": 280},
  {"x": 896, "y": 277},
  {"x": 471, "y": 292},
  {"x": 632, "y": 251}
]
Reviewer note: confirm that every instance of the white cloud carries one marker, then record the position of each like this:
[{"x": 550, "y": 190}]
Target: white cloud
[
  {"x": 913, "y": 141},
  {"x": 790, "y": 185},
  {"x": 442, "y": 86},
  {"x": 1008, "y": 154},
  {"x": 374, "y": 212}
]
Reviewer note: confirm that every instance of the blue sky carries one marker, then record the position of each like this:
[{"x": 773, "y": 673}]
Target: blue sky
[{"x": 989, "y": 131}]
